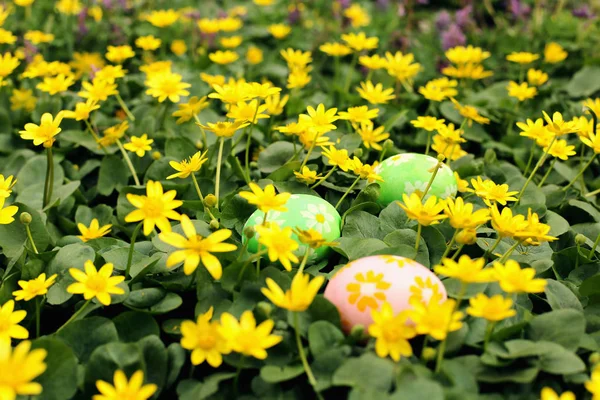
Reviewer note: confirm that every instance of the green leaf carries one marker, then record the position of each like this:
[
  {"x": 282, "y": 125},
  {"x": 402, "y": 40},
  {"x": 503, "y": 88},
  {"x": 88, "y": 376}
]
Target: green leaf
[
  {"x": 71, "y": 256},
  {"x": 274, "y": 374},
  {"x": 565, "y": 327},
  {"x": 322, "y": 336},
  {"x": 133, "y": 326},
  {"x": 367, "y": 371},
  {"x": 558, "y": 225},
  {"x": 155, "y": 358},
  {"x": 194, "y": 390},
  {"x": 85, "y": 335},
  {"x": 114, "y": 174},
  {"x": 179, "y": 148},
  {"x": 557, "y": 360},
  {"x": 274, "y": 156},
  {"x": 559, "y": 296},
  {"x": 419, "y": 388},
  {"x": 585, "y": 82},
  {"x": 13, "y": 236},
  {"x": 356, "y": 247},
  {"x": 177, "y": 356},
  {"x": 108, "y": 358},
  {"x": 360, "y": 224},
  {"x": 60, "y": 378}
]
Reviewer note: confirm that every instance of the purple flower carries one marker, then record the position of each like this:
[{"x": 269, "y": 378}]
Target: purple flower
[
  {"x": 443, "y": 20},
  {"x": 423, "y": 2},
  {"x": 294, "y": 16},
  {"x": 383, "y": 4},
  {"x": 583, "y": 11},
  {"x": 82, "y": 29},
  {"x": 518, "y": 9},
  {"x": 344, "y": 3},
  {"x": 463, "y": 16},
  {"x": 453, "y": 37}
]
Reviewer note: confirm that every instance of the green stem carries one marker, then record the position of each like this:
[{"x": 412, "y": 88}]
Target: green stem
[
  {"x": 238, "y": 372},
  {"x": 49, "y": 184},
  {"x": 419, "y": 229},
  {"x": 304, "y": 259},
  {"x": 30, "y": 237},
  {"x": 437, "y": 168},
  {"x": 248, "y": 141},
  {"x": 537, "y": 166},
  {"x": 128, "y": 162},
  {"x": 218, "y": 177},
  {"x": 531, "y": 151},
  {"x": 346, "y": 193},
  {"x": 442, "y": 347},
  {"x": 383, "y": 151},
  {"x": 349, "y": 75},
  {"x": 508, "y": 252},
  {"x": 75, "y": 315},
  {"x": 593, "y": 249},
  {"x": 440, "y": 356},
  {"x": 428, "y": 143},
  {"x": 496, "y": 243},
  {"x": 449, "y": 247},
  {"x": 547, "y": 174},
  {"x": 309, "y": 373},
  {"x": 96, "y": 138},
  {"x": 312, "y": 146},
  {"x": 457, "y": 252},
  {"x": 488, "y": 333},
  {"x": 131, "y": 247},
  {"x": 204, "y": 140},
  {"x": 580, "y": 172},
  {"x": 199, "y": 192},
  {"x": 124, "y": 107},
  {"x": 323, "y": 179}
]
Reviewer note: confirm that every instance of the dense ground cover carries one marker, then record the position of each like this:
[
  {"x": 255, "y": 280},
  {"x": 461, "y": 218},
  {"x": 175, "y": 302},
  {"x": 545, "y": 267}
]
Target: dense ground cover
[{"x": 189, "y": 194}]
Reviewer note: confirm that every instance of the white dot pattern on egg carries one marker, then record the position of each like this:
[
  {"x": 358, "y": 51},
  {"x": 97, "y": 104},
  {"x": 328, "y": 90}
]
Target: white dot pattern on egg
[{"x": 363, "y": 285}]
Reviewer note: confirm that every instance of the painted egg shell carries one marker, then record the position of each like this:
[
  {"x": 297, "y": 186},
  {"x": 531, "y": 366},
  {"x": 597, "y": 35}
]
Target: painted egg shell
[
  {"x": 365, "y": 284},
  {"x": 303, "y": 211},
  {"x": 410, "y": 172}
]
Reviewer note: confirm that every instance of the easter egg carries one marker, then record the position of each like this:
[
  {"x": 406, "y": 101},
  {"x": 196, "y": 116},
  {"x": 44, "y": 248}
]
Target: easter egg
[
  {"x": 411, "y": 172},
  {"x": 304, "y": 212},
  {"x": 363, "y": 285}
]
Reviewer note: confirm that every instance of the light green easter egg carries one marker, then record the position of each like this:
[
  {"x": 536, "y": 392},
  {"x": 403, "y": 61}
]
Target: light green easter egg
[
  {"x": 305, "y": 212},
  {"x": 411, "y": 172}
]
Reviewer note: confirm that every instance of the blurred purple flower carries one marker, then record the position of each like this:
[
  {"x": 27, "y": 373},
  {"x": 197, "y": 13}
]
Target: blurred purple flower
[
  {"x": 82, "y": 29},
  {"x": 294, "y": 16},
  {"x": 443, "y": 20},
  {"x": 423, "y": 2},
  {"x": 383, "y": 4},
  {"x": 518, "y": 9},
  {"x": 463, "y": 16},
  {"x": 583, "y": 11},
  {"x": 453, "y": 37},
  {"x": 344, "y": 3},
  {"x": 108, "y": 4}
]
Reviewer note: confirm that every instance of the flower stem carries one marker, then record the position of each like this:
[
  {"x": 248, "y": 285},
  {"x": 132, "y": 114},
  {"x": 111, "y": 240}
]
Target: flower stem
[
  {"x": 419, "y": 229},
  {"x": 30, "y": 237},
  {"x": 428, "y": 143},
  {"x": 304, "y": 259},
  {"x": 488, "y": 333},
  {"x": 74, "y": 316},
  {"x": 593, "y": 249},
  {"x": 131, "y": 247},
  {"x": 204, "y": 141},
  {"x": 309, "y": 373},
  {"x": 347, "y": 191},
  {"x": 531, "y": 151},
  {"x": 508, "y": 252},
  {"x": 96, "y": 138},
  {"x": 547, "y": 174},
  {"x": 49, "y": 184},
  {"x": 457, "y": 252},
  {"x": 435, "y": 171},
  {"x": 218, "y": 177},
  {"x": 537, "y": 166},
  {"x": 312, "y": 146},
  {"x": 440, "y": 356},
  {"x": 496, "y": 243},
  {"x": 449, "y": 247},
  {"x": 580, "y": 172},
  {"x": 323, "y": 179},
  {"x": 128, "y": 162},
  {"x": 349, "y": 75},
  {"x": 206, "y": 209},
  {"x": 124, "y": 107},
  {"x": 249, "y": 141}
]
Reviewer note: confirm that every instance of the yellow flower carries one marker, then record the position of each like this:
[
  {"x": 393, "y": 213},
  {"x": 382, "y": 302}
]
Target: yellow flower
[
  {"x": 593, "y": 105},
  {"x": 34, "y": 287},
  {"x": 365, "y": 171},
  {"x": 521, "y": 91},
  {"x": 307, "y": 175},
  {"x": 593, "y": 385},
  {"x": 6, "y": 185},
  {"x": 492, "y": 193},
  {"x": 190, "y": 109},
  {"x": 94, "y": 231},
  {"x": 425, "y": 214},
  {"x": 248, "y": 112},
  {"x": 335, "y": 49},
  {"x": 275, "y": 103},
  {"x": 38, "y": 37},
  {"x": 114, "y": 133},
  {"x": 312, "y": 238},
  {"x": 370, "y": 136},
  {"x": 263, "y": 2},
  {"x": 592, "y": 141},
  {"x": 534, "y": 232},
  {"x": 522, "y": 57},
  {"x": 279, "y": 244},
  {"x": 359, "y": 41},
  {"x": 7, "y": 213},
  {"x": 167, "y": 85},
  {"x": 493, "y": 309},
  {"x": 467, "y": 55},
  {"x": 536, "y": 77},
  {"x": 300, "y": 295},
  {"x": 24, "y": 3},
  {"x": 157, "y": 67},
  {"x": 470, "y": 113},
  {"x": 554, "y": 53},
  {"x": 466, "y": 270},
  {"x": 298, "y": 78},
  {"x": 254, "y": 55},
  {"x": 461, "y": 215},
  {"x": 373, "y": 62},
  {"x": 463, "y": 185},
  {"x": 430, "y": 124},
  {"x": 513, "y": 279},
  {"x": 505, "y": 223},
  {"x": 85, "y": 63},
  {"x": 44, "y": 133},
  {"x": 148, "y": 43},
  {"x": 208, "y": 26},
  {"x": 118, "y": 54},
  {"x": 230, "y": 94},
  {"x": 139, "y": 145},
  {"x": 6, "y": 37},
  {"x": 231, "y": 42},
  {"x": 224, "y": 129},
  {"x": 401, "y": 66},
  {"x": 375, "y": 94},
  {"x": 319, "y": 120},
  {"x": 95, "y": 283},
  {"x": 549, "y": 394},
  {"x": 156, "y": 208},
  {"x": 262, "y": 90},
  {"x": 359, "y": 114},
  {"x": 178, "y": 47},
  {"x": 18, "y": 368},
  {"x": 337, "y": 158},
  {"x": 98, "y": 90},
  {"x": 95, "y": 12},
  {"x": 558, "y": 125},
  {"x": 246, "y": 337},
  {"x": 561, "y": 149},
  {"x": 187, "y": 167},
  {"x": 535, "y": 130},
  {"x": 391, "y": 333},
  {"x": 205, "y": 340},
  {"x": 279, "y": 31},
  {"x": 133, "y": 389},
  {"x": 22, "y": 99},
  {"x": 57, "y": 84},
  {"x": 196, "y": 248},
  {"x": 296, "y": 58},
  {"x": 162, "y": 18},
  {"x": 82, "y": 110},
  {"x": 266, "y": 200},
  {"x": 439, "y": 89},
  {"x": 434, "y": 318},
  {"x": 223, "y": 57},
  {"x": 357, "y": 15},
  {"x": 69, "y": 7},
  {"x": 468, "y": 71},
  {"x": 9, "y": 324}
]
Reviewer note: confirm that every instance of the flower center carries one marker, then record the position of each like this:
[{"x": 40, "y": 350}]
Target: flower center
[
  {"x": 207, "y": 341},
  {"x": 153, "y": 207},
  {"x": 96, "y": 283},
  {"x": 320, "y": 218}
]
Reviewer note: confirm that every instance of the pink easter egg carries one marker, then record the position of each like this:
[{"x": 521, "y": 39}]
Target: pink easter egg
[{"x": 364, "y": 284}]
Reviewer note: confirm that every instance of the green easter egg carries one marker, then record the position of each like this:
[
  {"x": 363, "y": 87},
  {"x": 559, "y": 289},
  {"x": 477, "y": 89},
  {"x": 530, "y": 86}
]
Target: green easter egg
[
  {"x": 411, "y": 172},
  {"x": 303, "y": 211}
]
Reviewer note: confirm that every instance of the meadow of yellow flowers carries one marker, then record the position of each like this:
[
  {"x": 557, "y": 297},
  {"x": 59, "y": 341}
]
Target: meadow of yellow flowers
[{"x": 260, "y": 199}]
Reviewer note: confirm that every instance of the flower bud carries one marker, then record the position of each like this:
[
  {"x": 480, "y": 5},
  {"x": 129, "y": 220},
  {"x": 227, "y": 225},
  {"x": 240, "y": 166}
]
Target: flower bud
[
  {"x": 156, "y": 155},
  {"x": 249, "y": 232},
  {"x": 76, "y": 167},
  {"x": 580, "y": 239},
  {"x": 358, "y": 153},
  {"x": 264, "y": 308},
  {"x": 214, "y": 225},
  {"x": 441, "y": 158},
  {"x": 210, "y": 201},
  {"x": 388, "y": 144},
  {"x": 466, "y": 236},
  {"x": 490, "y": 156},
  {"x": 428, "y": 353},
  {"x": 594, "y": 358},
  {"x": 253, "y": 164},
  {"x": 199, "y": 144},
  {"x": 357, "y": 332},
  {"x": 25, "y": 218}
]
